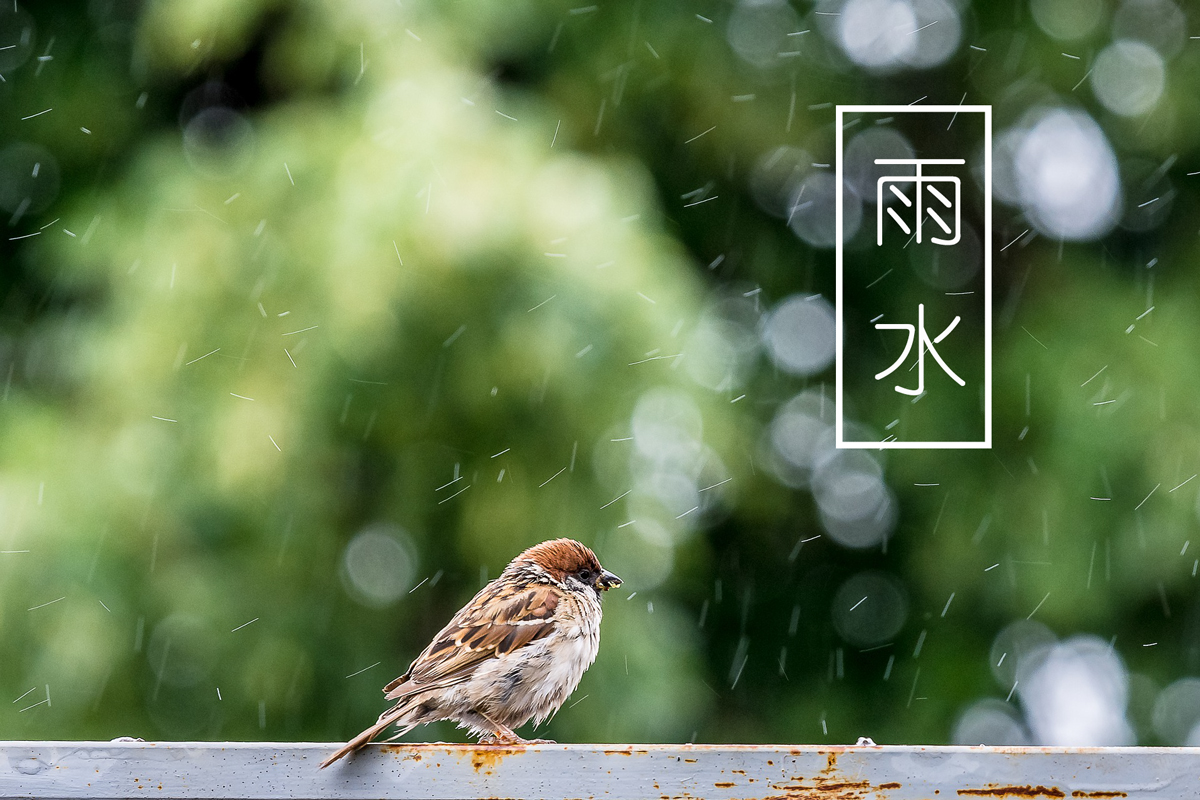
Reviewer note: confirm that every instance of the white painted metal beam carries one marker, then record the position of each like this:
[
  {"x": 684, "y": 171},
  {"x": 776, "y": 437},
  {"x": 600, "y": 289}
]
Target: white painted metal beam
[{"x": 184, "y": 770}]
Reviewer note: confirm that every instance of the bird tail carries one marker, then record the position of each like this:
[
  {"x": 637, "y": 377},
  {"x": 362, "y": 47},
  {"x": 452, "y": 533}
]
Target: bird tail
[{"x": 387, "y": 718}]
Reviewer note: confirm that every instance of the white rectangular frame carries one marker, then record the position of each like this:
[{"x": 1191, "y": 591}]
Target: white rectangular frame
[{"x": 986, "y": 442}]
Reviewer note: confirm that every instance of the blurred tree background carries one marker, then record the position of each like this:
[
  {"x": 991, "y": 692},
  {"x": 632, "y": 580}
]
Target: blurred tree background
[{"x": 314, "y": 313}]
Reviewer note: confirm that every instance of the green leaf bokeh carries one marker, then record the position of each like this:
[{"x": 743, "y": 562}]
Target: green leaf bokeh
[{"x": 415, "y": 288}]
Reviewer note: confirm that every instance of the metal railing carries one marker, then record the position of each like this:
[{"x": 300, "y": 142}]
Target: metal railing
[{"x": 290, "y": 770}]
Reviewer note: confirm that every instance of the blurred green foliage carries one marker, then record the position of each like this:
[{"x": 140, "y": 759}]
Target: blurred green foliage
[{"x": 440, "y": 248}]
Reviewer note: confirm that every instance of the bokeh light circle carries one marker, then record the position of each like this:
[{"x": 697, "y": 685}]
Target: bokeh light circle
[
  {"x": 849, "y": 484},
  {"x": 378, "y": 565},
  {"x": 667, "y": 427},
  {"x": 1177, "y": 713},
  {"x": 1128, "y": 77},
  {"x": 861, "y": 172},
  {"x": 800, "y": 437},
  {"x": 643, "y": 554},
  {"x": 18, "y": 34},
  {"x": 776, "y": 176},
  {"x": 714, "y": 355},
  {"x": 758, "y": 29},
  {"x": 799, "y": 335},
  {"x": 1014, "y": 642},
  {"x": 877, "y": 34},
  {"x": 938, "y": 33},
  {"x": 1005, "y": 146},
  {"x": 1067, "y": 20},
  {"x": 218, "y": 142},
  {"x": 990, "y": 722},
  {"x": 1075, "y": 694},
  {"x": 666, "y": 495},
  {"x": 1067, "y": 177},
  {"x": 857, "y": 508},
  {"x": 869, "y": 608},
  {"x": 1159, "y": 23},
  {"x": 722, "y": 350},
  {"x": 812, "y": 210},
  {"x": 869, "y": 530}
]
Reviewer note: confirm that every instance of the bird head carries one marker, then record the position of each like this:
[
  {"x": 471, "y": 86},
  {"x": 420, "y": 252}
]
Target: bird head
[{"x": 570, "y": 563}]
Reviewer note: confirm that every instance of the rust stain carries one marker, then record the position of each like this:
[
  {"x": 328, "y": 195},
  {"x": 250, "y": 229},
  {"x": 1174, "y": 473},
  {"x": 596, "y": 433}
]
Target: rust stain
[
  {"x": 724, "y": 785},
  {"x": 830, "y": 783},
  {"x": 1014, "y": 791},
  {"x": 407, "y": 752},
  {"x": 825, "y": 788},
  {"x": 486, "y": 759},
  {"x": 1097, "y": 794}
]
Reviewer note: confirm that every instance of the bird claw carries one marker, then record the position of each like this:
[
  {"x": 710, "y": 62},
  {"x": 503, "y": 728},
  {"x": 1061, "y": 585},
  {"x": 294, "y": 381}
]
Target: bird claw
[{"x": 493, "y": 740}]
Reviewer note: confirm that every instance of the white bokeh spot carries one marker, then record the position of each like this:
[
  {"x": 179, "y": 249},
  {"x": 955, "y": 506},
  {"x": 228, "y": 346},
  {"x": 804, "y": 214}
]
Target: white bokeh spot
[{"x": 1067, "y": 177}]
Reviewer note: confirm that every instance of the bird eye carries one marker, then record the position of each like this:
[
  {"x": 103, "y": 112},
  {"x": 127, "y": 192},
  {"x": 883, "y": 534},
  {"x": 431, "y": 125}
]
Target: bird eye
[{"x": 585, "y": 575}]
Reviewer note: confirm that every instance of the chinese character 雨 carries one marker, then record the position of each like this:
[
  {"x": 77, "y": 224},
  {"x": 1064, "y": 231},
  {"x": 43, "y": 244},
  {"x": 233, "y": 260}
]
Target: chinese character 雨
[
  {"x": 923, "y": 343},
  {"x": 929, "y": 201}
]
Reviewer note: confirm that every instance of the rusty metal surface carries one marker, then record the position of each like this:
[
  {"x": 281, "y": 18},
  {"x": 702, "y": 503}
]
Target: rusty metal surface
[{"x": 278, "y": 770}]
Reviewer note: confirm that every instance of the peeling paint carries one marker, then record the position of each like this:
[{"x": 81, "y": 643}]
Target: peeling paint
[
  {"x": 827, "y": 787},
  {"x": 1014, "y": 791}
]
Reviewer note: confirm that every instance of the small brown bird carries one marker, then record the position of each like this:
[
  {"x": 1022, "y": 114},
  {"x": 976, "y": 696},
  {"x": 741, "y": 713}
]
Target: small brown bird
[{"x": 512, "y": 654}]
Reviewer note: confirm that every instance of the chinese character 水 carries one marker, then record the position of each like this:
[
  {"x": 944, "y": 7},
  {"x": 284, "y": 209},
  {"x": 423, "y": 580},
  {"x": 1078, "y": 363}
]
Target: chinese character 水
[{"x": 923, "y": 343}]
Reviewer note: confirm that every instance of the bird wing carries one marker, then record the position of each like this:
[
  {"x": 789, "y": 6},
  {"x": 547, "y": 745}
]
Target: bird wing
[{"x": 500, "y": 619}]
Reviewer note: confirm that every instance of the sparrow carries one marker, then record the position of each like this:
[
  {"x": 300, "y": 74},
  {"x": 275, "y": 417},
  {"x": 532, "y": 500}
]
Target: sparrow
[{"x": 514, "y": 653}]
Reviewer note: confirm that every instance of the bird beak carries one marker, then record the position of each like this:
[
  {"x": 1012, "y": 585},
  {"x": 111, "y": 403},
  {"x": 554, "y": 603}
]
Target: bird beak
[{"x": 607, "y": 581}]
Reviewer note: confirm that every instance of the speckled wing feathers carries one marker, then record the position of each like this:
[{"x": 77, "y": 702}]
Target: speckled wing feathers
[{"x": 499, "y": 620}]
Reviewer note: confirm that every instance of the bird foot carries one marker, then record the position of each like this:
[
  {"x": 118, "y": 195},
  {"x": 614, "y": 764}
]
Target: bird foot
[{"x": 493, "y": 740}]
